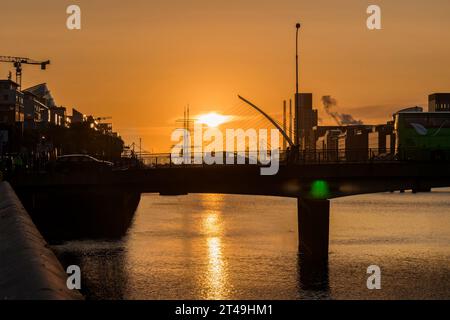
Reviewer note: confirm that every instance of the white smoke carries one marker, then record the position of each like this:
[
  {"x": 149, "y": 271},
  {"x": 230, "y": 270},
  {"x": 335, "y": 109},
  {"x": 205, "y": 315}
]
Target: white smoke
[{"x": 342, "y": 119}]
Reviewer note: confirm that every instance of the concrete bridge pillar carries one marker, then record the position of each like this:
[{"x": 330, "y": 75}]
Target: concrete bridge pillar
[{"x": 313, "y": 228}]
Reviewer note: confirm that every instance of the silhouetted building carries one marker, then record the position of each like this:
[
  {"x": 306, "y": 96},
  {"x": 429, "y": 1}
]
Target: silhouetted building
[
  {"x": 381, "y": 139},
  {"x": 77, "y": 116},
  {"x": 93, "y": 122},
  {"x": 11, "y": 103},
  {"x": 327, "y": 145},
  {"x": 411, "y": 109},
  {"x": 439, "y": 102},
  {"x": 320, "y": 131},
  {"x": 11, "y": 116},
  {"x": 307, "y": 120},
  {"x": 58, "y": 116},
  {"x": 353, "y": 144},
  {"x": 43, "y": 94},
  {"x": 35, "y": 112},
  {"x": 105, "y": 128}
]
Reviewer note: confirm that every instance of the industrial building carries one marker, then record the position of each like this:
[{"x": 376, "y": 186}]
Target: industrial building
[
  {"x": 382, "y": 140},
  {"x": 306, "y": 119},
  {"x": 413, "y": 134},
  {"x": 353, "y": 143},
  {"x": 439, "y": 102},
  {"x": 327, "y": 145}
]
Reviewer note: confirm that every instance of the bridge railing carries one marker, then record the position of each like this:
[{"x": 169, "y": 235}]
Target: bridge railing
[
  {"x": 351, "y": 155},
  {"x": 198, "y": 159},
  {"x": 165, "y": 160},
  {"x": 283, "y": 157}
]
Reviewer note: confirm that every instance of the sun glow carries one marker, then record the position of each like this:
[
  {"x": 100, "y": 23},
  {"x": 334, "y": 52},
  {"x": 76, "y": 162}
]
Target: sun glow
[{"x": 212, "y": 120}]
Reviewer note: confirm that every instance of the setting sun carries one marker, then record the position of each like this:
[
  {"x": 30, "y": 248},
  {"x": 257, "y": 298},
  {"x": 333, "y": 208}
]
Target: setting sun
[{"x": 212, "y": 119}]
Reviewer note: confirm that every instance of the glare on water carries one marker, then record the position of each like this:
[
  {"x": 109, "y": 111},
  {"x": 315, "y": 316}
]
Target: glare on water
[{"x": 246, "y": 247}]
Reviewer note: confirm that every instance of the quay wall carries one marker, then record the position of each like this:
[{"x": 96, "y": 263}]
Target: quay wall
[{"x": 29, "y": 270}]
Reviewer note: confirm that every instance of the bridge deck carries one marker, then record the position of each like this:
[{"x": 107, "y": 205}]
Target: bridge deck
[{"x": 336, "y": 179}]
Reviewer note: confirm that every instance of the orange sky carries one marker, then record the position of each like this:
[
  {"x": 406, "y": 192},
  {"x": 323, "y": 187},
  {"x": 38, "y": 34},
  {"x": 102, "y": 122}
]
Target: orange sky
[{"x": 142, "y": 61}]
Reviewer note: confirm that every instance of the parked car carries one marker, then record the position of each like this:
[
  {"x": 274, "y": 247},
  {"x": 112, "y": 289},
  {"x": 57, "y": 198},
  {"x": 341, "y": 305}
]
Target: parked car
[{"x": 79, "y": 163}]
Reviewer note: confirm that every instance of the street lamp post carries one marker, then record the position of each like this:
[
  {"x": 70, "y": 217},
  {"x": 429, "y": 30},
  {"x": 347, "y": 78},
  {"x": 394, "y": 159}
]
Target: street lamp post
[{"x": 297, "y": 120}]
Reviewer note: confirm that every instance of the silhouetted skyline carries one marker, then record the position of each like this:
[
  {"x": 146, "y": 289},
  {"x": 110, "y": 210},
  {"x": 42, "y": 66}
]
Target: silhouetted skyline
[{"x": 142, "y": 62}]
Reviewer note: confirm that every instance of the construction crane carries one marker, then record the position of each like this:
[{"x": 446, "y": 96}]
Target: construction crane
[{"x": 17, "y": 63}]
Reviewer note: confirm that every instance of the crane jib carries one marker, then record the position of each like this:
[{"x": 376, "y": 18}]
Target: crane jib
[{"x": 18, "y": 61}]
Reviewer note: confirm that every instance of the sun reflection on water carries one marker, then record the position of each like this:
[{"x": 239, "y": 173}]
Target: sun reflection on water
[{"x": 215, "y": 280}]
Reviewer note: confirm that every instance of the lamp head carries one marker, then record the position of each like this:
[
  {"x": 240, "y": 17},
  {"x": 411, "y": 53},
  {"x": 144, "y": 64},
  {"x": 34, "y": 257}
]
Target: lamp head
[{"x": 298, "y": 25}]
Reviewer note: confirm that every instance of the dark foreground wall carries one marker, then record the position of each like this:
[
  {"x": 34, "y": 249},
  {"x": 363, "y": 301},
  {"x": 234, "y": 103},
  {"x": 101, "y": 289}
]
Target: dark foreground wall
[
  {"x": 80, "y": 212},
  {"x": 28, "y": 268}
]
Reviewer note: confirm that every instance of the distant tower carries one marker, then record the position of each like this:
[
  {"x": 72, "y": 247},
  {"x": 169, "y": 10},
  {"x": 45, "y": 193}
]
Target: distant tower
[
  {"x": 307, "y": 120},
  {"x": 188, "y": 120},
  {"x": 290, "y": 119},
  {"x": 186, "y": 137},
  {"x": 284, "y": 124}
]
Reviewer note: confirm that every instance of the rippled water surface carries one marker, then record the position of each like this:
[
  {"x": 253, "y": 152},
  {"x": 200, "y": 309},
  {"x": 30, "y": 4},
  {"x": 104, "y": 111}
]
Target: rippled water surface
[{"x": 246, "y": 247}]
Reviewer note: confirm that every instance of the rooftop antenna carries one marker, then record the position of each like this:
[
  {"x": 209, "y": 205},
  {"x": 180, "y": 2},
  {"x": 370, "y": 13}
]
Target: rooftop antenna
[{"x": 290, "y": 119}]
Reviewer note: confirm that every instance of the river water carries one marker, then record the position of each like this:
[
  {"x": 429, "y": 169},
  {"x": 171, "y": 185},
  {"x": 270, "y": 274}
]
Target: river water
[{"x": 245, "y": 247}]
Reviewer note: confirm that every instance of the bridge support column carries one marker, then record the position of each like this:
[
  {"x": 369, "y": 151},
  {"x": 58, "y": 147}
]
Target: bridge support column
[{"x": 313, "y": 228}]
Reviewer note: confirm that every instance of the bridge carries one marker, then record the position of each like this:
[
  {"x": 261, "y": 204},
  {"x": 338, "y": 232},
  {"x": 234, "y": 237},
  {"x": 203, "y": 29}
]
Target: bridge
[
  {"x": 103, "y": 203},
  {"x": 313, "y": 182}
]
